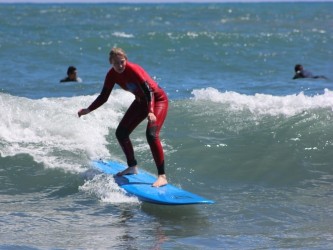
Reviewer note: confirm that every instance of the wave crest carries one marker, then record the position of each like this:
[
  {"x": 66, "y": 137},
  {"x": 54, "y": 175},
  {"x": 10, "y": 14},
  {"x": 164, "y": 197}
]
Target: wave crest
[{"x": 264, "y": 104}]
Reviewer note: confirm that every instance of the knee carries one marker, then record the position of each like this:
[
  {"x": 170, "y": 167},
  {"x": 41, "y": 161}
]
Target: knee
[{"x": 121, "y": 133}]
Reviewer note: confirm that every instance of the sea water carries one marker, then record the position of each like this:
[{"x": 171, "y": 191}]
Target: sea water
[{"x": 239, "y": 130}]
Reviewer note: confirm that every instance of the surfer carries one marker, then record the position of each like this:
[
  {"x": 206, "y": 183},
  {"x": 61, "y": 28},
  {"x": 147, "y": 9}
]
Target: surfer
[
  {"x": 150, "y": 102},
  {"x": 71, "y": 75},
  {"x": 300, "y": 72}
]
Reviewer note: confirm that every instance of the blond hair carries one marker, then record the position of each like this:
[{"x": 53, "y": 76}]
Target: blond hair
[{"x": 117, "y": 52}]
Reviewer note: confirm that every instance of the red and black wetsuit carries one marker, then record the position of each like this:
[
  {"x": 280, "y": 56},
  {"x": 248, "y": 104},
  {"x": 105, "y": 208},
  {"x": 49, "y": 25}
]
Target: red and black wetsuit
[{"x": 149, "y": 97}]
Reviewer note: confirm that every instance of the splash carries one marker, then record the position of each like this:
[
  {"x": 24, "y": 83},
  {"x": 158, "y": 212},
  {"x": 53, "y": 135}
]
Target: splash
[{"x": 104, "y": 187}]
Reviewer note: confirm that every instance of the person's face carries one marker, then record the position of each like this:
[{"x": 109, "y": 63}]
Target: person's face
[
  {"x": 72, "y": 75},
  {"x": 118, "y": 63}
]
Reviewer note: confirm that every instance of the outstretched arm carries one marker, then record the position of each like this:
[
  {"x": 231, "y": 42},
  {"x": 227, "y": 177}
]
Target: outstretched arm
[{"x": 100, "y": 100}]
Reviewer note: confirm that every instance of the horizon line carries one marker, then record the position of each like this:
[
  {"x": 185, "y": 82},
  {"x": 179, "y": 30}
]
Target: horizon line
[{"x": 162, "y": 1}]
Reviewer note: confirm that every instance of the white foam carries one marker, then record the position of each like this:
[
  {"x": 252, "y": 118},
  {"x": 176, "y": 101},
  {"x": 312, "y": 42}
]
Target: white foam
[
  {"x": 264, "y": 104},
  {"x": 50, "y": 131},
  {"x": 122, "y": 34},
  {"x": 104, "y": 187}
]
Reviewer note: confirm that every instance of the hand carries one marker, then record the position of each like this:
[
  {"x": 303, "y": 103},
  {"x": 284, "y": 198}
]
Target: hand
[
  {"x": 83, "y": 112},
  {"x": 151, "y": 117}
]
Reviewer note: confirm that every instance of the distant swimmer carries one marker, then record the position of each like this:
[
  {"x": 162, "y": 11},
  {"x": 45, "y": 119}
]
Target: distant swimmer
[
  {"x": 300, "y": 72},
  {"x": 71, "y": 75}
]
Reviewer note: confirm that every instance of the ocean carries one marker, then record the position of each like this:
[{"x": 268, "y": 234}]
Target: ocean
[{"x": 239, "y": 131}]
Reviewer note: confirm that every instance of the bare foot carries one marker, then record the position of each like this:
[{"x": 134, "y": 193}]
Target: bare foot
[
  {"x": 129, "y": 170},
  {"x": 161, "y": 181}
]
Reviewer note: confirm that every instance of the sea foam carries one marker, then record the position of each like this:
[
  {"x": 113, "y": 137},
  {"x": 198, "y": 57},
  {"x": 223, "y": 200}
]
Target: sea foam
[
  {"x": 264, "y": 104},
  {"x": 50, "y": 130}
]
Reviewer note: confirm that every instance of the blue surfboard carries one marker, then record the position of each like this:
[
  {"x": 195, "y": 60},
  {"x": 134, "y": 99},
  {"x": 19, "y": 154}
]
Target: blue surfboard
[{"x": 140, "y": 185}]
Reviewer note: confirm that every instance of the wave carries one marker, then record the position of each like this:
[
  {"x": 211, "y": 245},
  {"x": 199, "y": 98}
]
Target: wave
[
  {"x": 213, "y": 137},
  {"x": 50, "y": 131},
  {"x": 264, "y": 104},
  {"x": 276, "y": 140}
]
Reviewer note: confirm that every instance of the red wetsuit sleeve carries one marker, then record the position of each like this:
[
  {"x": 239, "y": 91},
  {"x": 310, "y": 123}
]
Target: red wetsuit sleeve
[
  {"x": 104, "y": 95},
  {"x": 101, "y": 99}
]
